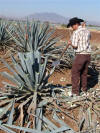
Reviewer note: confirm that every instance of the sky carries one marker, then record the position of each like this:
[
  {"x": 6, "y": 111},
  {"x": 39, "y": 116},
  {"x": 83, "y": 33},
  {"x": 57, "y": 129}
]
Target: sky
[{"x": 87, "y": 9}]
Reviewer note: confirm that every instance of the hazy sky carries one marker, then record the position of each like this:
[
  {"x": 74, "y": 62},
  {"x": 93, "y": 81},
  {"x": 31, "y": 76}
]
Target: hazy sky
[{"x": 88, "y": 9}]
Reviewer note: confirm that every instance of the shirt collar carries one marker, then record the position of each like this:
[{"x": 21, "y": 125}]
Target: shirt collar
[{"x": 80, "y": 27}]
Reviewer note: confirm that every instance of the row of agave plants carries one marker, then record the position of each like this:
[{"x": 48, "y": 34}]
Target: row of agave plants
[
  {"x": 23, "y": 103},
  {"x": 20, "y": 35}
]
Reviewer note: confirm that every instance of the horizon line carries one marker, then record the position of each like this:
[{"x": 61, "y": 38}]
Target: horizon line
[{"x": 23, "y": 16}]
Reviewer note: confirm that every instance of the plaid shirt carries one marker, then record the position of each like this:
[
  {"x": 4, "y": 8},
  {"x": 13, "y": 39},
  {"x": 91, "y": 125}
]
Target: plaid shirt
[{"x": 81, "y": 40}]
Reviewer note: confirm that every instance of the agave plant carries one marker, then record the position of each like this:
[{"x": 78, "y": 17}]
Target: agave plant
[
  {"x": 22, "y": 103},
  {"x": 5, "y": 38},
  {"x": 32, "y": 36},
  {"x": 29, "y": 82}
]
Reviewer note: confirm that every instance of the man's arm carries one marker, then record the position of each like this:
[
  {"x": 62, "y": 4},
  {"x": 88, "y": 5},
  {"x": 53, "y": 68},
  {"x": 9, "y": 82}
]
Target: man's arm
[{"x": 74, "y": 40}]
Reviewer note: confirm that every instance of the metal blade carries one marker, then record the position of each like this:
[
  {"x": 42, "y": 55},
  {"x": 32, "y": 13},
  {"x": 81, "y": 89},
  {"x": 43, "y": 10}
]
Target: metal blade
[{"x": 56, "y": 63}]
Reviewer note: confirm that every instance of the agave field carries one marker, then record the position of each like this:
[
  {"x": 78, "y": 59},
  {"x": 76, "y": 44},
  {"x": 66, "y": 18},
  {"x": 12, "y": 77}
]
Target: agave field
[{"x": 29, "y": 103}]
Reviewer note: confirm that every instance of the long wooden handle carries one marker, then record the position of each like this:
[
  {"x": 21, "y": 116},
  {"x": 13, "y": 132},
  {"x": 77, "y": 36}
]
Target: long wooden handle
[
  {"x": 66, "y": 46},
  {"x": 64, "y": 51}
]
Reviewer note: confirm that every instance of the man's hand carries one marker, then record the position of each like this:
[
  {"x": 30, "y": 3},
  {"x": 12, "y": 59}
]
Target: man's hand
[{"x": 69, "y": 42}]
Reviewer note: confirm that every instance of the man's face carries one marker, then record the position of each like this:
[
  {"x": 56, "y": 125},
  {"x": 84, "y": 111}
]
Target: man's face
[
  {"x": 75, "y": 27},
  {"x": 83, "y": 24}
]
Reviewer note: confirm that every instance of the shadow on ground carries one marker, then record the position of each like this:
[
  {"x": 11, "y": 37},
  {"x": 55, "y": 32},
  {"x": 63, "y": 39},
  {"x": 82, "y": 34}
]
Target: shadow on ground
[{"x": 93, "y": 77}]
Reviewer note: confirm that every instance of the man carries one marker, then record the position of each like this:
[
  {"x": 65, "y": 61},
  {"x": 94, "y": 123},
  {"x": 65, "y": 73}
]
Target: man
[{"x": 80, "y": 41}]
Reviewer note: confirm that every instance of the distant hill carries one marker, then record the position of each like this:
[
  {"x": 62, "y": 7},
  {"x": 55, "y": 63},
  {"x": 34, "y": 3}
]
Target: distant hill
[{"x": 50, "y": 17}]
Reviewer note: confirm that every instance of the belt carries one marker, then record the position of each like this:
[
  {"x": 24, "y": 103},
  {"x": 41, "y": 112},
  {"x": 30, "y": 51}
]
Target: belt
[{"x": 83, "y": 53}]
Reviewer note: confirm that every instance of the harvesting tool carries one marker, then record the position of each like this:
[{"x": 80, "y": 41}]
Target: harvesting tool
[{"x": 57, "y": 62}]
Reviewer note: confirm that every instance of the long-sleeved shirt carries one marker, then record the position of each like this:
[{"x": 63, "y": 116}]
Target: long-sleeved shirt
[{"x": 81, "y": 40}]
